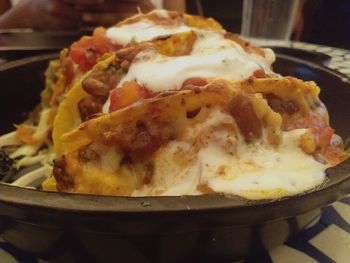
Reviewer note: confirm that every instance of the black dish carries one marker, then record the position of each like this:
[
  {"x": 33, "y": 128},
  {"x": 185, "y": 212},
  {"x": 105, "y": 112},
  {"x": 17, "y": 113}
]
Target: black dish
[
  {"x": 65, "y": 227},
  {"x": 313, "y": 56}
]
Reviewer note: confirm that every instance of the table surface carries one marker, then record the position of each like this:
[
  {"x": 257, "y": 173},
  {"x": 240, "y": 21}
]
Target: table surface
[{"x": 326, "y": 240}]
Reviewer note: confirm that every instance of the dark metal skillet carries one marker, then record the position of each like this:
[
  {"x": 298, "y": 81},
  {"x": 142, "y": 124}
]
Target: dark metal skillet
[{"x": 162, "y": 229}]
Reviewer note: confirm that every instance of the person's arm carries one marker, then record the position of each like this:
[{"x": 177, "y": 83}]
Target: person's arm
[
  {"x": 109, "y": 12},
  {"x": 176, "y": 5},
  {"x": 72, "y": 14},
  {"x": 41, "y": 14},
  {"x": 4, "y": 6}
]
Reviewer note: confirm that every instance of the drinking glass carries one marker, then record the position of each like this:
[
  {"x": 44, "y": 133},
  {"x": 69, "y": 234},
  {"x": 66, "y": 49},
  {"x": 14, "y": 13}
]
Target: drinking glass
[{"x": 272, "y": 19}]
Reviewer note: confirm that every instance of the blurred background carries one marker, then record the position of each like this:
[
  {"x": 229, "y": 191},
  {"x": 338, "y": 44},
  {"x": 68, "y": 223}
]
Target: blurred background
[
  {"x": 316, "y": 21},
  {"x": 31, "y": 26}
]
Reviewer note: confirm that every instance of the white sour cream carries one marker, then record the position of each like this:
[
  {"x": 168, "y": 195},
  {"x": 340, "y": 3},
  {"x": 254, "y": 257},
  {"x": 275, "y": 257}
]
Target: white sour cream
[
  {"x": 142, "y": 30},
  {"x": 212, "y": 56}
]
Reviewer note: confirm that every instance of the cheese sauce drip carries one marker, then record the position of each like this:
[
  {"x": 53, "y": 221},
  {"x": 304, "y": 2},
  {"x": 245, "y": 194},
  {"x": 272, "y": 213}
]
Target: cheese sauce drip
[
  {"x": 254, "y": 171},
  {"x": 261, "y": 171},
  {"x": 212, "y": 56}
]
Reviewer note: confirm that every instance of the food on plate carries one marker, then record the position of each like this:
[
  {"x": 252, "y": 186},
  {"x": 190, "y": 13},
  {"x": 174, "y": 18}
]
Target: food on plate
[{"x": 171, "y": 104}]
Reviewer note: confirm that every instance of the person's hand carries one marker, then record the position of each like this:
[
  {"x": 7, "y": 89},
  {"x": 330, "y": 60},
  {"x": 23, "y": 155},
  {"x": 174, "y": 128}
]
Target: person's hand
[
  {"x": 4, "y": 6},
  {"x": 41, "y": 14},
  {"x": 108, "y": 12},
  {"x": 111, "y": 11},
  {"x": 70, "y": 14}
]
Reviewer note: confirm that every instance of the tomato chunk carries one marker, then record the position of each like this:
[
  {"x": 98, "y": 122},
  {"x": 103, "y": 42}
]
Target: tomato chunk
[
  {"x": 88, "y": 49},
  {"x": 335, "y": 155},
  {"x": 127, "y": 94},
  {"x": 241, "y": 108},
  {"x": 25, "y": 134},
  {"x": 322, "y": 131},
  {"x": 322, "y": 135},
  {"x": 259, "y": 74}
]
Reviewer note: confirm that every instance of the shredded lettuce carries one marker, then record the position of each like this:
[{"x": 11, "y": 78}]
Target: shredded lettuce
[
  {"x": 30, "y": 177},
  {"x": 25, "y": 150},
  {"x": 9, "y": 139},
  {"x": 30, "y": 160},
  {"x": 44, "y": 126}
]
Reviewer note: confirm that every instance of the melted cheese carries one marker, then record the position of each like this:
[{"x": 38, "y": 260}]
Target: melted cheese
[
  {"x": 254, "y": 171},
  {"x": 260, "y": 171}
]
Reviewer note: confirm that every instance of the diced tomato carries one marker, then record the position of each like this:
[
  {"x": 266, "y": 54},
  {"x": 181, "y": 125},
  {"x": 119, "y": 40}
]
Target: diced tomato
[
  {"x": 335, "y": 155},
  {"x": 242, "y": 110},
  {"x": 322, "y": 135},
  {"x": 195, "y": 81},
  {"x": 88, "y": 49},
  {"x": 259, "y": 74},
  {"x": 25, "y": 134},
  {"x": 322, "y": 131},
  {"x": 129, "y": 93}
]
